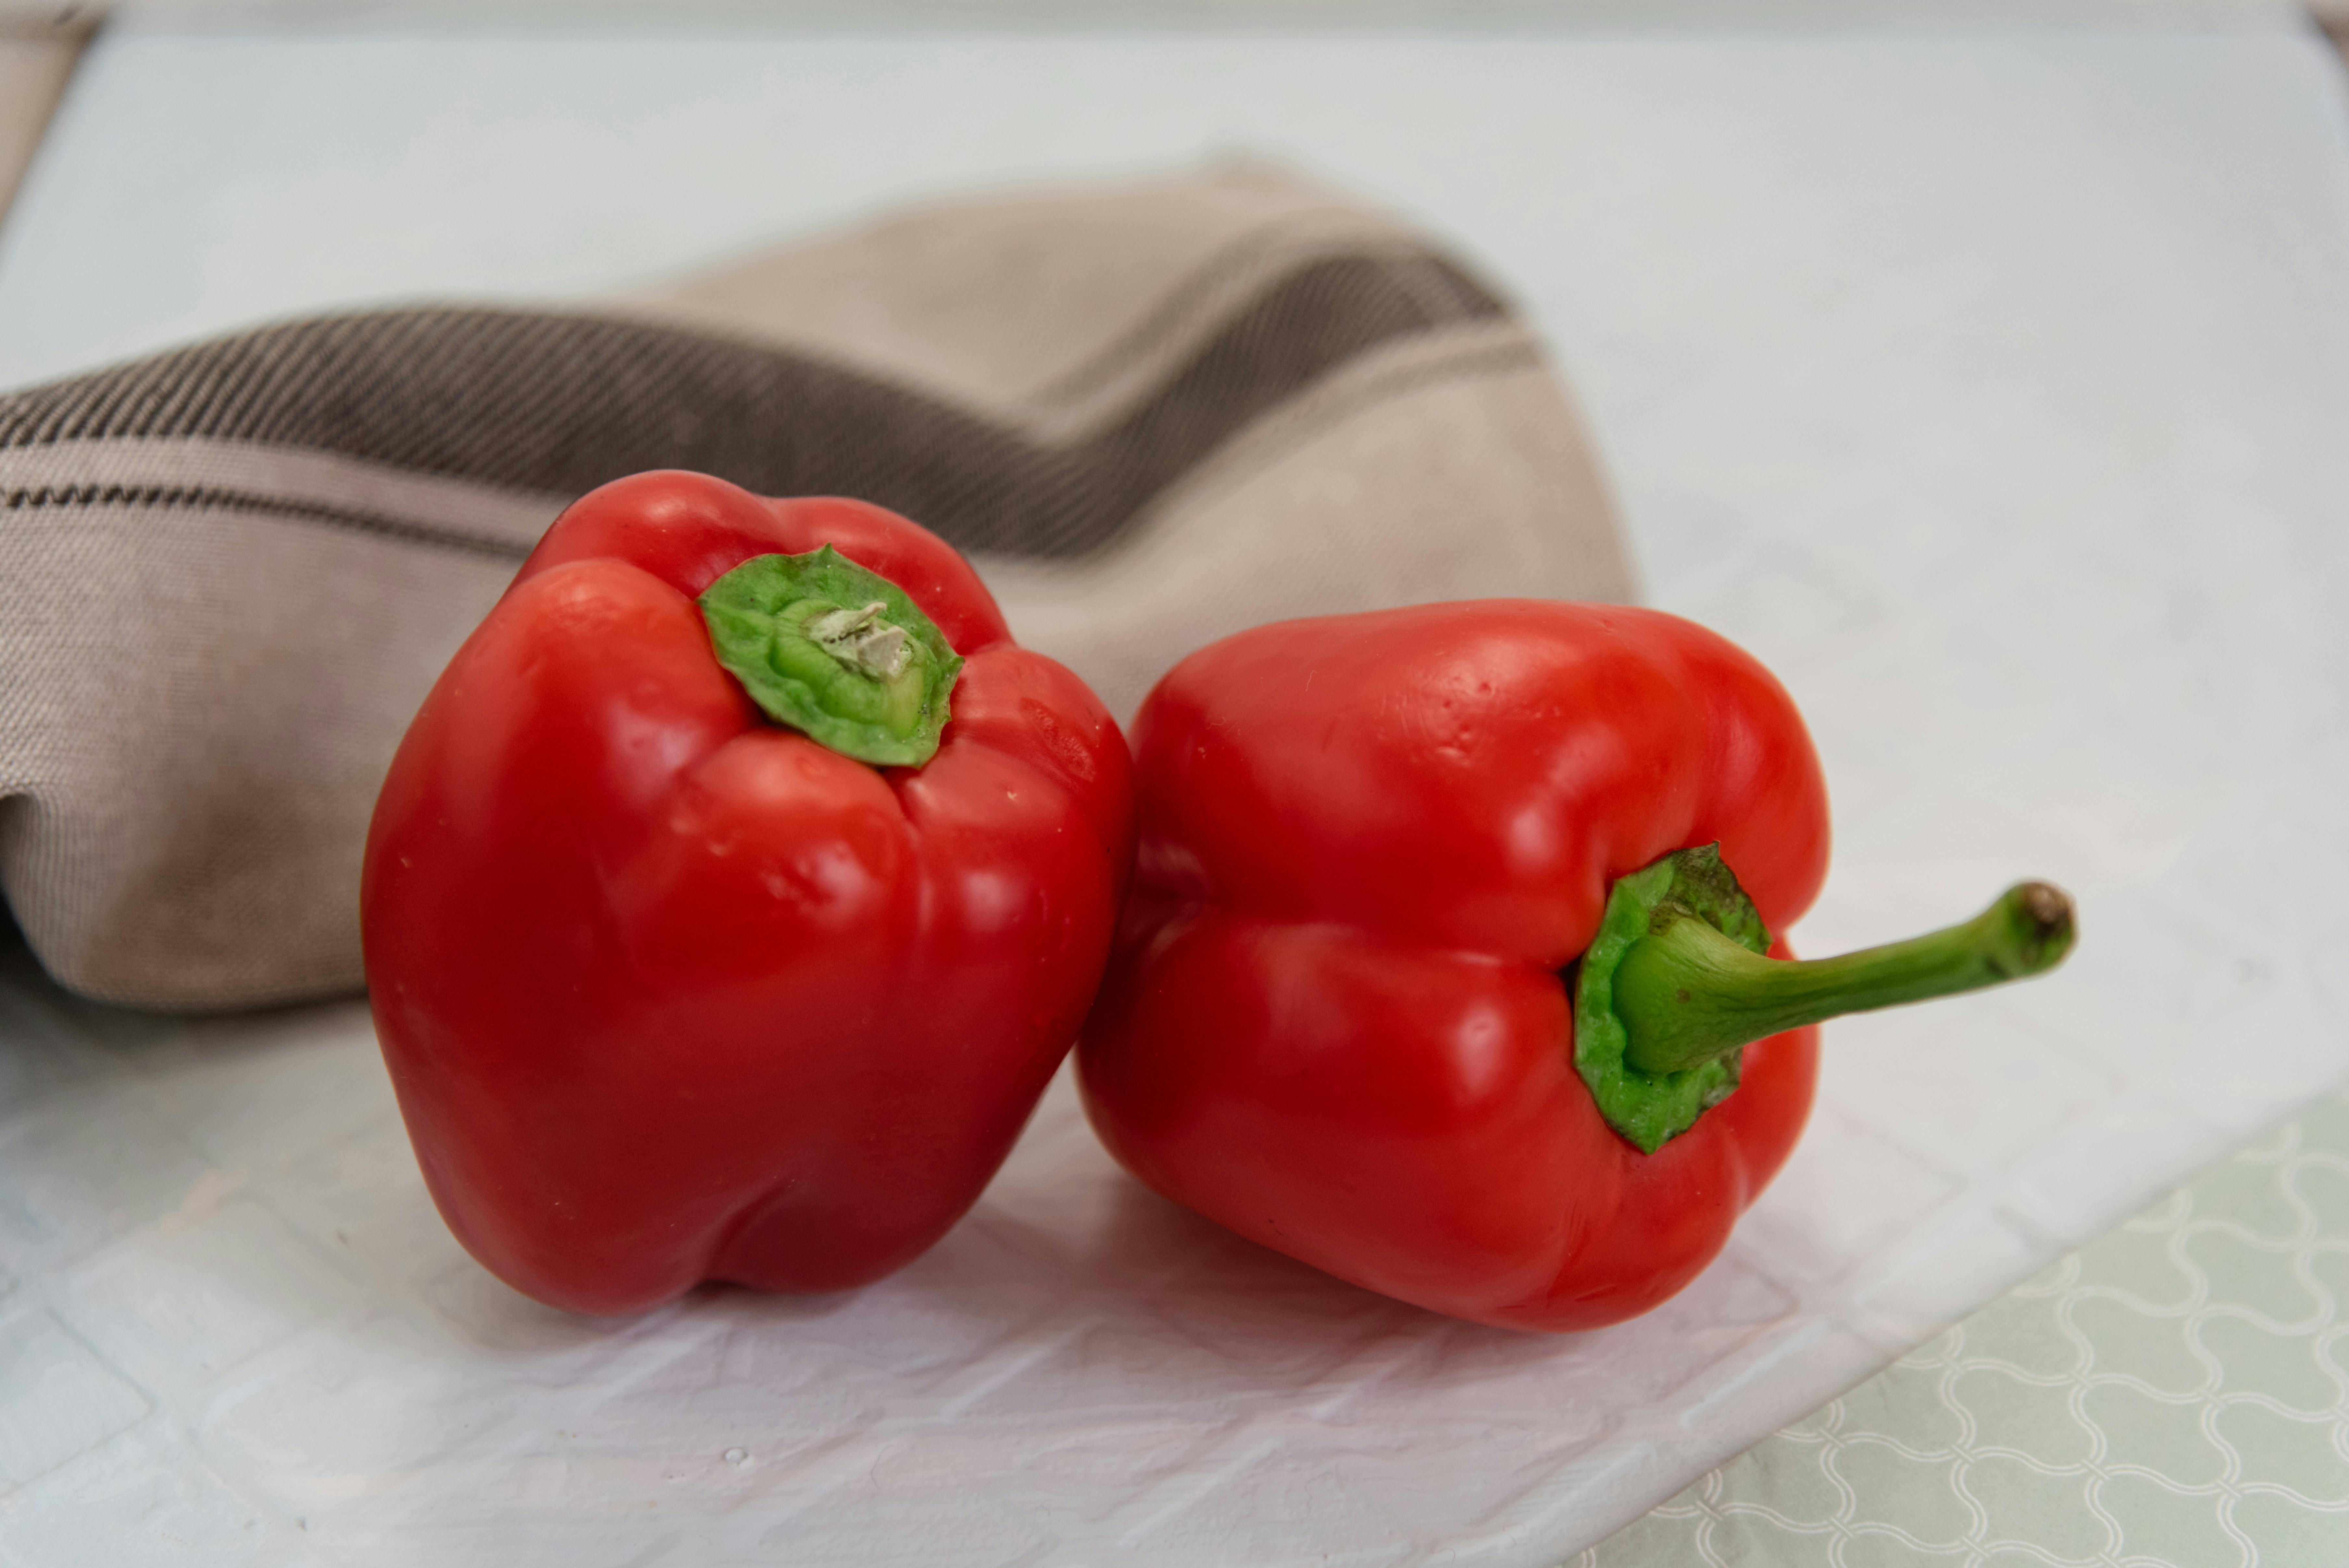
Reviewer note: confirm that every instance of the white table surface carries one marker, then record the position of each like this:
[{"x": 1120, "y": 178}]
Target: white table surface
[{"x": 1993, "y": 387}]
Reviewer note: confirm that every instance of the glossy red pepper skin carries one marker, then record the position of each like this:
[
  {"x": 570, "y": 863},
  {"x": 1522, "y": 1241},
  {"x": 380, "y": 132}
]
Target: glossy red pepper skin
[
  {"x": 671, "y": 994},
  {"x": 1338, "y": 1020}
]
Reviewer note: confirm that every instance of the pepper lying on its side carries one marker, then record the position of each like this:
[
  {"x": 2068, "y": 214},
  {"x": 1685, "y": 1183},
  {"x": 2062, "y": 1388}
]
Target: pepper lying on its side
[
  {"x": 1436, "y": 975},
  {"x": 669, "y": 992}
]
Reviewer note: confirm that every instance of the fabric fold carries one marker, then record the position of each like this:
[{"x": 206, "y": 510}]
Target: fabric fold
[{"x": 1152, "y": 413}]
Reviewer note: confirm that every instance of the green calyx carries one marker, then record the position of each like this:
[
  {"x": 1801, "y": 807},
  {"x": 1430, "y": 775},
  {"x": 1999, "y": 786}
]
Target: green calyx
[
  {"x": 838, "y": 653},
  {"x": 1647, "y": 1107},
  {"x": 1676, "y": 984}
]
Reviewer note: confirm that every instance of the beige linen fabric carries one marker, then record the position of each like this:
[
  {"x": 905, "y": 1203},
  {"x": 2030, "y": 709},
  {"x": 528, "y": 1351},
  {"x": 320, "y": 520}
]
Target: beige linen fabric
[{"x": 1151, "y": 414}]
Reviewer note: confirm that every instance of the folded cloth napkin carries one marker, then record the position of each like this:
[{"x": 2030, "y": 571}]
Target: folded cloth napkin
[{"x": 1151, "y": 414}]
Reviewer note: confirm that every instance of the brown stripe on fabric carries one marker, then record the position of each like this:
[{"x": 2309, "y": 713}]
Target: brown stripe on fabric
[
  {"x": 196, "y": 497},
  {"x": 1319, "y": 317},
  {"x": 1449, "y": 290},
  {"x": 547, "y": 401}
]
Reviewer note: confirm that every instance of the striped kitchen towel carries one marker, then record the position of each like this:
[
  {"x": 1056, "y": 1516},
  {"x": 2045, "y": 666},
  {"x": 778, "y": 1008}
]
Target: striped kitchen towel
[{"x": 1151, "y": 414}]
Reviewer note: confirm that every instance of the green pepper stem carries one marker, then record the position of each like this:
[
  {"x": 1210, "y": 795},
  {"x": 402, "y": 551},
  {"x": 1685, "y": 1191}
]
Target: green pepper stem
[{"x": 1686, "y": 993}]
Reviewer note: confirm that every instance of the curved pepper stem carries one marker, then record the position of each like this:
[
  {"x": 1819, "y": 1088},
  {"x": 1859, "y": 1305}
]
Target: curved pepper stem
[
  {"x": 1675, "y": 984},
  {"x": 1686, "y": 993}
]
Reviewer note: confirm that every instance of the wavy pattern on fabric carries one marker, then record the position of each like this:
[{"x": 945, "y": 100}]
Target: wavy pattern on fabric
[{"x": 2175, "y": 1394}]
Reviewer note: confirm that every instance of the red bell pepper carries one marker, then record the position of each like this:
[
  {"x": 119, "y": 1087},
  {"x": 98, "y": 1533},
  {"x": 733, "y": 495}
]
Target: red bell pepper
[
  {"x": 734, "y": 940},
  {"x": 1443, "y": 973}
]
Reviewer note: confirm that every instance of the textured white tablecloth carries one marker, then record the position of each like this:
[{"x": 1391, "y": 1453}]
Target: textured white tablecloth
[{"x": 1993, "y": 389}]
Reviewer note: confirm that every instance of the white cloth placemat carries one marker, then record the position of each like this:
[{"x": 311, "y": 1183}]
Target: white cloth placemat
[{"x": 1990, "y": 387}]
